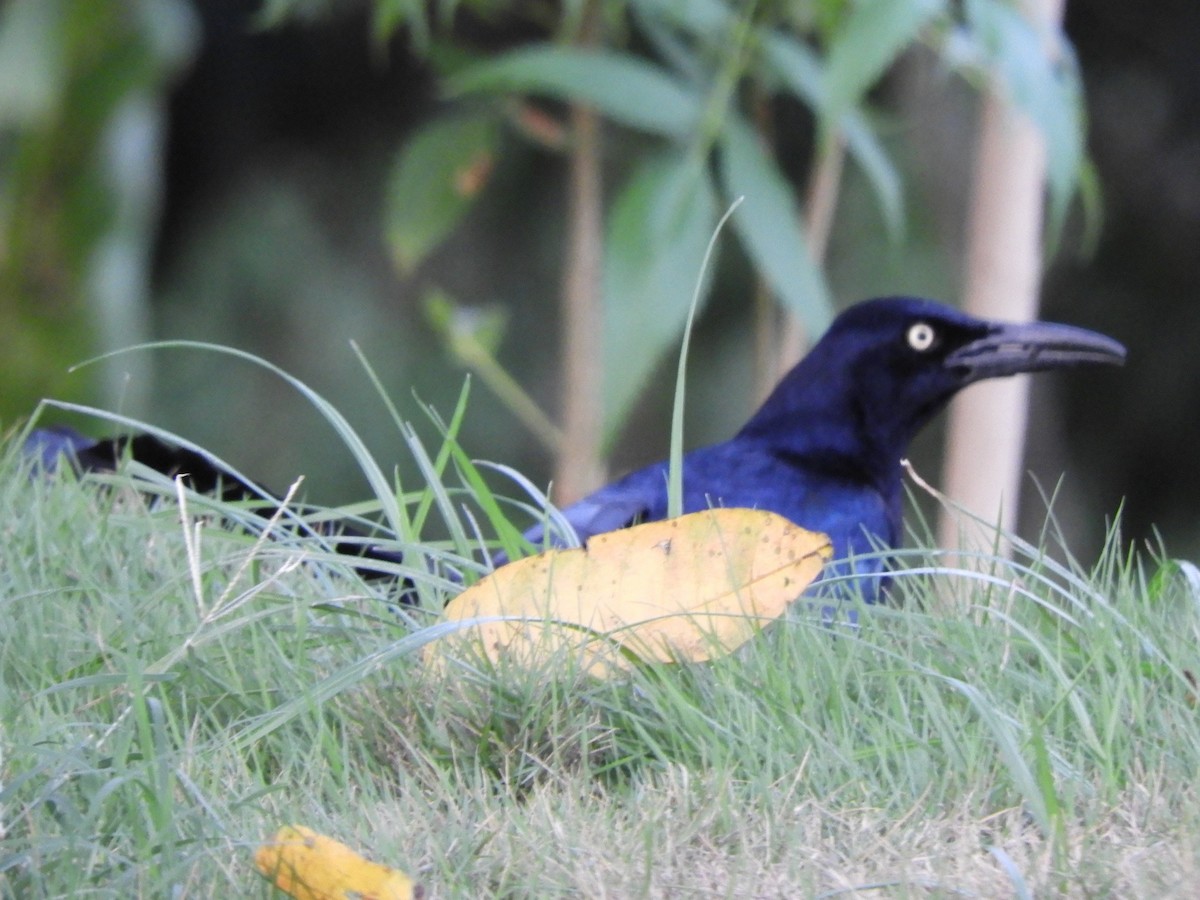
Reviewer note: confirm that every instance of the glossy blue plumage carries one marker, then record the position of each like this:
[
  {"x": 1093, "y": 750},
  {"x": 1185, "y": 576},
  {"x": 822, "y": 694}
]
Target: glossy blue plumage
[{"x": 824, "y": 450}]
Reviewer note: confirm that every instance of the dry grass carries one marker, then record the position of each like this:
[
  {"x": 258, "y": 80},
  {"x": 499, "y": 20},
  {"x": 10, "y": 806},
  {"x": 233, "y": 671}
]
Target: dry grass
[{"x": 680, "y": 834}]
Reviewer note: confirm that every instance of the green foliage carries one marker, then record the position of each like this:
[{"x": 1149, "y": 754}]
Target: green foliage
[
  {"x": 770, "y": 226},
  {"x": 866, "y": 44},
  {"x": 798, "y": 67},
  {"x": 624, "y": 88},
  {"x": 657, "y": 234},
  {"x": 441, "y": 170},
  {"x": 1036, "y": 70},
  {"x": 473, "y": 336},
  {"x": 701, "y": 83},
  {"x": 713, "y": 68},
  {"x": 78, "y": 184}
]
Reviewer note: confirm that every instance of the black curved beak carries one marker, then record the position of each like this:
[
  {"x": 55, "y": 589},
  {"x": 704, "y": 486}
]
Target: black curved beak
[{"x": 1011, "y": 349}]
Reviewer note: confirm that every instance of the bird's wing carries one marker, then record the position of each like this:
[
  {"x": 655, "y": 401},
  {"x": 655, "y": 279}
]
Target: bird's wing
[
  {"x": 50, "y": 445},
  {"x": 640, "y": 496}
]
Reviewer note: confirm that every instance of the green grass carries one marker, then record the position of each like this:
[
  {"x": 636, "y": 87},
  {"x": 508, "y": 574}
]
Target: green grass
[{"x": 175, "y": 689}]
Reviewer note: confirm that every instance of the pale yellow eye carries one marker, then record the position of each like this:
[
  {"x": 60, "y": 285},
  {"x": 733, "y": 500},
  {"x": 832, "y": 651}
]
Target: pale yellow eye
[{"x": 921, "y": 336}]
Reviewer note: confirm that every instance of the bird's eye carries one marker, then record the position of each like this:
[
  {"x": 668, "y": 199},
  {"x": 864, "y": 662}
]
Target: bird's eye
[{"x": 921, "y": 336}]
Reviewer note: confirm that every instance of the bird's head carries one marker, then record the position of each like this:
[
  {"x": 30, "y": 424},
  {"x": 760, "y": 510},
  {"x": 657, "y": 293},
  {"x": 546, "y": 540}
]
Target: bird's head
[{"x": 895, "y": 362}]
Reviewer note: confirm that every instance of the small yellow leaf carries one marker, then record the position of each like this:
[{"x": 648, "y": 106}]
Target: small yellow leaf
[
  {"x": 311, "y": 866},
  {"x": 684, "y": 589}
]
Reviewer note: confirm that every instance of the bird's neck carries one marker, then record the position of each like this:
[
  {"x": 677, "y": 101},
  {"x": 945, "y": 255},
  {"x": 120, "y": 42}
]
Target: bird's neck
[{"x": 829, "y": 431}]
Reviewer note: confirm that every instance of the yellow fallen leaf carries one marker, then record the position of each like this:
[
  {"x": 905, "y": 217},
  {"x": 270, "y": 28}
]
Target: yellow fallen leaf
[
  {"x": 689, "y": 589},
  {"x": 311, "y": 866}
]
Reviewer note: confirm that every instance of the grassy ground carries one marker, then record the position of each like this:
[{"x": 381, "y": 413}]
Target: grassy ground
[{"x": 173, "y": 692}]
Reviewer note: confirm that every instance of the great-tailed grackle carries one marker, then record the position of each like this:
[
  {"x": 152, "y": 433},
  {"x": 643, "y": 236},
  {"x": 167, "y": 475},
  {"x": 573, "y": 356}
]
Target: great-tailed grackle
[{"x": 824, "y": 450}]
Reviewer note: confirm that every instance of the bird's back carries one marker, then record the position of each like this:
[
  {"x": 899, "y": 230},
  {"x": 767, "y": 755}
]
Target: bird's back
[{"x": 815, "y": 492}]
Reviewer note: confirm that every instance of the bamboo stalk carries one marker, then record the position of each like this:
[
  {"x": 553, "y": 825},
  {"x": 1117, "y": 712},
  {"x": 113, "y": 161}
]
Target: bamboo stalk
[
  {"x": 986, "y": 431},
  {"x": 578, "y": 468}
]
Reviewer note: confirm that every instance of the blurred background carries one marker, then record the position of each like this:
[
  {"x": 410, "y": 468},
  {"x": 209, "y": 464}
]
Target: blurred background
[{"x": 288, "y": 176}]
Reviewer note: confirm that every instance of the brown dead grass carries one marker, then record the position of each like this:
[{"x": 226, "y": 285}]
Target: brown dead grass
[{"x": 679, "y": 836}]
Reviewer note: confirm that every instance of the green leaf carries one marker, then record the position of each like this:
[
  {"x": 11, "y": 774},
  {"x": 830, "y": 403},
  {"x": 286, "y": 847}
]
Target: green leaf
[
  {"x": 441, "y": 170},
  {"x": 769, "y": 225},
  {"x": 867, "y": 43},
  {"x": 799, "y": 68},
  {"x": 867, "y": 150},
  {"x": 623, "y": 88},
  {"x": 706, "y": 19},
  {"x": 657, "y": 234},
  {"x": 801, "y": 71},
  {"x": 1040, "y": 76}
]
